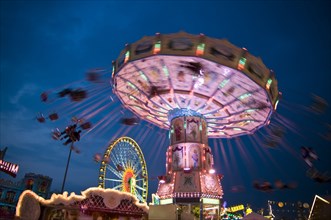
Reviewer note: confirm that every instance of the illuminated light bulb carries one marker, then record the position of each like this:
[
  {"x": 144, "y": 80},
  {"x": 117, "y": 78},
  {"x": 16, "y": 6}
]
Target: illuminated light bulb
[
  {"x": 200, "y": 49},
  {"x": 113, "y": 70},
  {"x": 162, "y": 179},
  {"x": 212, "y": 171},
  {"x": 157, "y": 47},
  {"x": 166, "y": 72},
  {"x": 127, "y": 56},
  {"x": 199, "y": 82},
  {"x": 268, "y": 84},
  {"x": 276, "y": 104},
  {"x": 241, "y": 64}
]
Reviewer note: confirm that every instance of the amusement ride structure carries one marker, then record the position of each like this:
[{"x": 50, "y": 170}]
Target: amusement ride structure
[
  {"x": 198, "y": 88},
  {"x": 123, "y": 168}
]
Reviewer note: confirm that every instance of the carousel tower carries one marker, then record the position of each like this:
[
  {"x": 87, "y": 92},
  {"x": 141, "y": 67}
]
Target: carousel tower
[{"x": 190, "y": 174}]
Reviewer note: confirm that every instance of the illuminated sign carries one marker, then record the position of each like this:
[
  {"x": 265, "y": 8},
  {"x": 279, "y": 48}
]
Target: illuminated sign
[
  {"x": 155, "y": 199},
  {"x": 210, "y": 201},
  {"x": 9, "y": 168},
  {"x": 236, "y": 208},
  {"x": 166, "y": 201}
]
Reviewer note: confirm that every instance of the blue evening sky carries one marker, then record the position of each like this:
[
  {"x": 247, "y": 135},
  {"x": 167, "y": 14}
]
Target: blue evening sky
[{"x": 47, "y": 44}]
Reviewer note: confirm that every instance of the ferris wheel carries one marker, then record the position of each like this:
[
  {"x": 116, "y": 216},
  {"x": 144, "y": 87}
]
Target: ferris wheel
[{"x": 123, "y": 168}]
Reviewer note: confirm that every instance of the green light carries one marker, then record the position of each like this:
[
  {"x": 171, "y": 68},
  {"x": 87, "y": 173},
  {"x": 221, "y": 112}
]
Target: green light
[
  {"x": 201, "y": 46},
  {"x": 127, "y": 55},
  {"x": 223, "y": 83},
  {"x": 210, "y": 201},
  {"x": 166, "y": 201},
  {"x": 157, "y": 47},
  {"x": 268, "y": 83},
  {"x": 246, "y": 95},
  {"x": 241, "y": 64},
  {"x": 251, "y": 110},
  {"x": 200, "y": 49},
  {"x": 130, "y": 84},
  {"x": 242, "y": 61},
  {"x": 113, "y": 71},
  {"x": 143, "y": 75},
  {"x": 165, "y": 70}
]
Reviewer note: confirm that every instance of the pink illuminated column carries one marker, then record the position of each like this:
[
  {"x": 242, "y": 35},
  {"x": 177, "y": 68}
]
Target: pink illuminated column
[{"x": 190, "y": 173}]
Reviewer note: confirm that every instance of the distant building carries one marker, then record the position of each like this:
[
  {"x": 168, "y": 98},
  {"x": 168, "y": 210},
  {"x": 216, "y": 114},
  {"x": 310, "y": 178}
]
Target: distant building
[
  {"x": 10, "y": 191},
  {"x": 9, "y": 194}
]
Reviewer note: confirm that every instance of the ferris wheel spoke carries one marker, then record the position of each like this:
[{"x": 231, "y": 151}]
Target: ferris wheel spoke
[
  {"x": 117, "y": 187},
  {"x": 137, "y": 180},
  {"x": 139, "y": 171},
  {"x": 139, "y": 196},
  {"x": 136, "y": 165},
  {"x": 141, "y": 188},
  {"x": 118, "y": 174},
  {"x": 133, "y": 165},
  {"x": 113, "y": 159},
  {"x": 114, "y": 180},
  {"x": 118, "y": 160}
]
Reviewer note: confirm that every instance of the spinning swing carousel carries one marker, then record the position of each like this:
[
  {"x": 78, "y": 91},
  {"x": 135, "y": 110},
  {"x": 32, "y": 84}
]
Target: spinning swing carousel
[{"x": 198, "y": 88}]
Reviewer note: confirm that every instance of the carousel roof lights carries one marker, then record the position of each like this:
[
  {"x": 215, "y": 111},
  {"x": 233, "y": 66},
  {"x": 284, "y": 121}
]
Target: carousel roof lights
[
  {"x": 202, "y": 75},
  {"x": 268, "y": 84}
]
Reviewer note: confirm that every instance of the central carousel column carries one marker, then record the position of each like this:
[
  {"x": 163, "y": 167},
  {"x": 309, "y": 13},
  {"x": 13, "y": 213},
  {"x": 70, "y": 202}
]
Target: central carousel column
[{"x": 190, "y": 176}]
